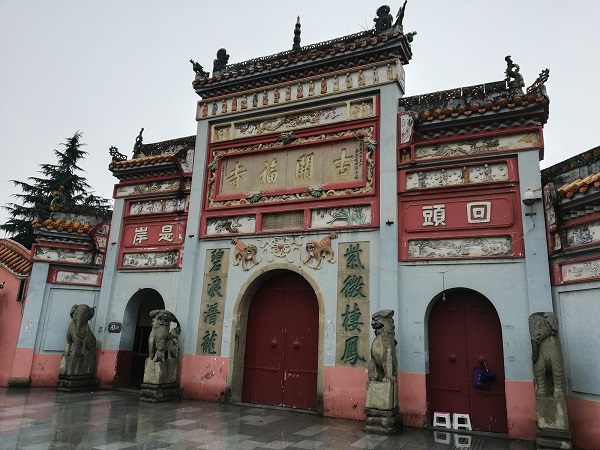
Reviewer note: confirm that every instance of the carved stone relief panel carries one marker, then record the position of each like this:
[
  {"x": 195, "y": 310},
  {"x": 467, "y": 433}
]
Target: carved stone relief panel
[
  {"x": 231, "y": 225},
  {"x": 482, "y": 173}
]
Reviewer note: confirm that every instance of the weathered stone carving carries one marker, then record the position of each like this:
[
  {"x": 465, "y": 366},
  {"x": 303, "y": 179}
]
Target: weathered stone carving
[
  {"x": 381, "y": 405},
  {"x": 161, "y": 372},
  {"x": 161, "y": 342},
  {"x": 553, "y": 421},
  {"x": 384, "y": 19},
  {"x": 78, "y": 362},
  {"x": 383, "y": 364},
  {"x": 514, "y": 79},
  {"x": 320, "y": 250},
  {"x": 244, "y": 253},
  {"x": 220, "y": 63},
  {"x": 546, "y": 355}
]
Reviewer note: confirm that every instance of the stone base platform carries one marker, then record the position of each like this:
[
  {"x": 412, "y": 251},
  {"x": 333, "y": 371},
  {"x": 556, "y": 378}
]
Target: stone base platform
[
  {"x": 76, "y": 383},
  {"x": 382, "y": 421},
  {"x": 159, "y": 393},
  {"x": 553, "y": 439}
]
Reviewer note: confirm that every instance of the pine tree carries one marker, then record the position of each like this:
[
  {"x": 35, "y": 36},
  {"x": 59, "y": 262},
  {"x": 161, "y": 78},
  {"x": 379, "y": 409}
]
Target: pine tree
[{"x": 59, "y": 188}]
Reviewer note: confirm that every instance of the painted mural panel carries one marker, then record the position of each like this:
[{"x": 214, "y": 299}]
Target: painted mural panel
[
  {"x": 472, "y": 247},
  {"x": 70, "y": 277},
  {"x": 347, "y": 216},
  {"x": 212, "y": 305},
  {"x": 151, "y": 260},
  {"x": 584, "y": 234},
  {"x": 65, "y": 255},
  {"x": 230, "y": 225},
  {"x": 157, "y": 187},
  {"x": 478, "y": 146},
  {"x": 353, "y": 300},
  {"x": 163, "y": 205},
  {"x": 483, "y": 173},
  {"x": 580, "y": 271}
]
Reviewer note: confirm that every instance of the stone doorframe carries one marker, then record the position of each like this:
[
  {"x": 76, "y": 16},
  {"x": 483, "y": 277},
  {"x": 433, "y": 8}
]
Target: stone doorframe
[{"x": 239, "y": 323}]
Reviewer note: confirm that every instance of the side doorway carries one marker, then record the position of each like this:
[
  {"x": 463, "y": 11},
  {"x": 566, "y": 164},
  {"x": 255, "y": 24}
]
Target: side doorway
[
  {"x": 131, "y": 359},
  {"x": 465, "y": 333},
  {"x": 282, "y": 339}
]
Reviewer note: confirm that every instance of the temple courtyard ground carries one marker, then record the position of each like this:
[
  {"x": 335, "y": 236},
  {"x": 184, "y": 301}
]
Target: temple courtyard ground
[{"x": 40, "y": 418}]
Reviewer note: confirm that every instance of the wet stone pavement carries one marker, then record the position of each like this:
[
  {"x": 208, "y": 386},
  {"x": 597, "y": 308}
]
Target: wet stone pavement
[{"x": 40, "y": 418}]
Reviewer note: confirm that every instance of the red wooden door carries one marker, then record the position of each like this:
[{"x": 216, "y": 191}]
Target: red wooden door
[
  {"x": 280, "y": 366},
  {"x": 465, "y": 330}
]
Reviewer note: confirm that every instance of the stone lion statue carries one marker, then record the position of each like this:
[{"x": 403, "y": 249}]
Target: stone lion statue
[
  {"x": 383, "y": 364},
  {"x": 80, "y": 339},
  {"x": 163, "y": 343},
  {"x": 546, "y": 354}
]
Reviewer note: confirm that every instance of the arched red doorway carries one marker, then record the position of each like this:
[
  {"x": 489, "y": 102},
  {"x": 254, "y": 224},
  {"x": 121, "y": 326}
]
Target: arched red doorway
[
  {"x": 464, "y": 329},
  {"x": 282, "y": 337}
]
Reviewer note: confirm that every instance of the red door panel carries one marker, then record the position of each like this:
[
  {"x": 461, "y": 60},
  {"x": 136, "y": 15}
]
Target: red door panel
[
  {"x": 280, "y": 366},
  {"x": 463, "y": 331},
  {"x": 484, "y": 343},
  {"x": 448, "y": 386},
  {"x": 265, "y": 343},
  {"x": 300, "y": 379}
]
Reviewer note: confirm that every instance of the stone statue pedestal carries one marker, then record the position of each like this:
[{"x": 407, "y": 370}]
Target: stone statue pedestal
[
  {"x": 160, "y": 381},
  {"x": 76, "y": 373},
  {"x": 381, "y": 407},
  {"x": 552, "y": 423}
]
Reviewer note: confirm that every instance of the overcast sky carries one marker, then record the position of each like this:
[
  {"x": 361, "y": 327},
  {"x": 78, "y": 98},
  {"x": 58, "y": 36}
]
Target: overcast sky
[{"x": 109, "y": 68}]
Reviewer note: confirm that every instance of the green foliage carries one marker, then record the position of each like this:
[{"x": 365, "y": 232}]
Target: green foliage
[{"x": 59, "y": 182}]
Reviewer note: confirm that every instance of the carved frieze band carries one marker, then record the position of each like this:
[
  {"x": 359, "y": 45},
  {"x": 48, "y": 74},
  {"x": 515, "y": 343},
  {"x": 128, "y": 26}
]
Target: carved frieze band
[
  {"x": 168, "y": 205},
  {"x": 333, "y": 113},
  {"x": 483, "y": 173},
  {"x": 460, "y": 247},
  {"x": 158, "y": 187},
  {"x": 295, "y": 91},
  {"x": 212, "y": 305},
  {"x": 353, "y": 300},
  {"x": 481, "y": 145},
  {"x": 290, "y": 248},
  {"x": 70, "y": 277},
  {"x": 321, "y": 218},
  {"x": 149, "y": 260}
]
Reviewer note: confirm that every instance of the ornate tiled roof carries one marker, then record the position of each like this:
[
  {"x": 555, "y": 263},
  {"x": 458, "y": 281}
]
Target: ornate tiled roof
[
  {"x": 69, "y": 226},
  {"x": 156, "y": 159},
  {"x": 577, "y": 162},
  {"x": 579, "y": 185},
  {"x": 482, "y": 102},
  {"x": 15, "y": 258},
  {"x": 348, "y": 51}
]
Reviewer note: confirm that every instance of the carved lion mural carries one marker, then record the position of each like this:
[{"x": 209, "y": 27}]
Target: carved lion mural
[
  {"x": 163, "y": 343},
  {"x": 546, "y": 354},
  {"x": 319, "y": 250},
  {"x": 383, "y": 364},
  {"x": 244, "y": 253},
  {"x": 80, "y": 339}
]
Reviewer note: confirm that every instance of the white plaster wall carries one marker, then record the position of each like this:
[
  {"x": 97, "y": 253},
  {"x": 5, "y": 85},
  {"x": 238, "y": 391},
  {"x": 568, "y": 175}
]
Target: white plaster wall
[
  {"x": 504, "y": 283},
  {"x": 326, "y": 278},
  {"x": 576, "y": 306}
]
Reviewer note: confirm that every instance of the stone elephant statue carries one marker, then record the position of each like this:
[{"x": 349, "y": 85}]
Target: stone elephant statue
[
  {"x": 546, "y": 355},
  {"x": 80, "y": 339}
]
